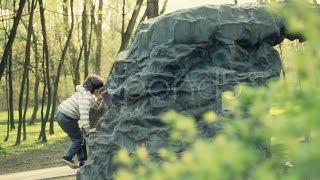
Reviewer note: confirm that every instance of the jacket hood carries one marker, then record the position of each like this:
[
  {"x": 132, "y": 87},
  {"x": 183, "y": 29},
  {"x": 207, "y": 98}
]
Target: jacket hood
[{"x": 81, "y": 89}]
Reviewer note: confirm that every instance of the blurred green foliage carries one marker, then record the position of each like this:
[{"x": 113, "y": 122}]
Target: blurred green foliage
[{"x": 274, "y": 133}]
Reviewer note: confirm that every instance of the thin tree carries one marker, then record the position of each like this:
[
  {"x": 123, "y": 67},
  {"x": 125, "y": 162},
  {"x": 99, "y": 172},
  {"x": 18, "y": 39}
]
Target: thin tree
[
  {"x": 73, "y": 63},
  {"x": 152, "y": 8},
  {"x": 13, "y": 31},
  {"x": 65, "y": 13},
  {"x": 126, "y": 35},
  {"x": 163, "y": 10},
  {"x": 84, "y": 38},
  {"x": 37, "y": 78},
  {"x": 9, "y": 77},
  {"x": 99, "y": 39},
  {"x": 8, "y": 108},
  {"x": 42, "y": 135},
  {"x": 12, "y": 124},
  {"x": 76, "y": 62},
  {"x": 61, "y": 63},
  {"x": 123, "y": 18},
  {"x": 92, "y": 24},
  {"x": 164, "y": 7},
  {"x": 24, "y": 130},
  {"x": 25, "y": 79}
]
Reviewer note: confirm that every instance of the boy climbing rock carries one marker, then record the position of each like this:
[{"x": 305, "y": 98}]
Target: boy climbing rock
[{"x": 73, "y": 113}]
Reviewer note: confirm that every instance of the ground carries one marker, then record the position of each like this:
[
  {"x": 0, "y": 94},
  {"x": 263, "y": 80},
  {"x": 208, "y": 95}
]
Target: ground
[{"x": 30, "y": 154}]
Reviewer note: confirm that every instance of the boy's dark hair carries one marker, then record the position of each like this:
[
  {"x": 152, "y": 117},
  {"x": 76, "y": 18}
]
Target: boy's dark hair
[{"x": 92, "y": 83}]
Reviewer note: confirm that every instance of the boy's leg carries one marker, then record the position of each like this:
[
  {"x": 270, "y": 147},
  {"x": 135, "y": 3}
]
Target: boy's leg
[
  {"x": 77, "y": 143},
  {"x": 82, "y": 153},
  {"x": 71, "y": 127}
]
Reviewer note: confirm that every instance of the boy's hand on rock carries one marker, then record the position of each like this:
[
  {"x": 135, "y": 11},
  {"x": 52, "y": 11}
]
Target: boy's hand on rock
[
  {"x": 99, "y": 99},
  {"x": 89, "y": 131},
  {"x": 93, "y": 130}
]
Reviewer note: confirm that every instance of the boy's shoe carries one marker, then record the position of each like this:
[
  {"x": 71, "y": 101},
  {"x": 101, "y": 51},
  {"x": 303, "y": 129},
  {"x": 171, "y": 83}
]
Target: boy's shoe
[{"x": 69, "y": 162}]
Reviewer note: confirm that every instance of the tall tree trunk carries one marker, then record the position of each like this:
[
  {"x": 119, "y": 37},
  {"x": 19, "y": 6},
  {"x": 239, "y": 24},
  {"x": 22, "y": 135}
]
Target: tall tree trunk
[
  {"x": 76, "y": 61},
  {"x": 12, "y": 125},
  {"x": 8, "y": 109},
  {"x": 42, "y": 135},
  {"x": 164, "y": 7},
  {"x": 92, "y": 23},
  {"x": 37, "y": 79},
  {"x": 152, "y": 8},
  {"x": 123, "y": 19},
  {"x": 126, "y": 36},
  {"x": 77, "y": 67},
  {"x": 25, "y": 78},
  {"x": 62, "y": 60},
  {"x": 65, "y": 13},
  {"x": 25, "y": 110},
  {"x": 73, "y": 50},
  {"x": 9, "y": 78},
  {"x": 235, "y": 1},
  {"x": 99, "y": 39},
  {"x": 144, "y": 16},
  {"x": 7, "y": 49},
  {"x": 84, "y": 38}
]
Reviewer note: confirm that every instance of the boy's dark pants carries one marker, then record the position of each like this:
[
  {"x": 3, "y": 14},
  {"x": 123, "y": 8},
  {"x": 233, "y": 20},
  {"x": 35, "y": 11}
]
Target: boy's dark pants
[{"x": 71, "y": 127}]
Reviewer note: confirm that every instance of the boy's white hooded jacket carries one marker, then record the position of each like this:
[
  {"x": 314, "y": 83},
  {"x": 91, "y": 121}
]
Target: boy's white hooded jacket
[{"x": 78, "y": 106}]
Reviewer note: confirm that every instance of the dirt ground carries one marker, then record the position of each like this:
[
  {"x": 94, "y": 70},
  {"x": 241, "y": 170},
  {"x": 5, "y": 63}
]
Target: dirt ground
[{"x": 33, "y": 160}]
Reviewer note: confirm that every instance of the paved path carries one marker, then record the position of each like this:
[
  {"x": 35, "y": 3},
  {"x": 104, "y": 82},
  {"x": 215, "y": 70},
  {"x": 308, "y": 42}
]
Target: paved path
[{"x": 61, "y": 171}]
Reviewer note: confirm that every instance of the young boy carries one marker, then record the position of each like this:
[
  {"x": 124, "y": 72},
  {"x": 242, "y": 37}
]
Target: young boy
[{"x": 77, "y": 108}]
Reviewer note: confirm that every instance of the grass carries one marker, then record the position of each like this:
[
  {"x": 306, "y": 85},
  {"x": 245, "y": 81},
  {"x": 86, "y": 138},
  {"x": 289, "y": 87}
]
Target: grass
[
  {"x": 32, "y": 143},
  {"x": 4, "y": 115},
  {"x": 32, "y": 151}
]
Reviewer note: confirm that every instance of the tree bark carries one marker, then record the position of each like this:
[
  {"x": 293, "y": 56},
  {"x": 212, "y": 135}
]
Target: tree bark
[
  {"x": 126, "y": 36},
  {"x": 152, "y": 8},
  {"x": 12, "y": 124},
  {"x": 9, "y": 78},
  {"x": 99, "y": 39},
  {"x": 37, "y": 78},
  {"x": 73, "y": 50},
  {"x": 164, "y": 7},
  {"x": 123, "y": 18},
  {"x": 144, "y": 16},
  {"x": 77, "y": 67},
  {"x": 25, "y": 79},
  {"x": 65, "y": 13},
  {"x": 24, "y": 130},
  {"x": 76, "y": 61},
  {"x": 62, "y": 60},
  {"x": 84, "y": 38},
  {"x": 42, "y": 135},
  {"x": 92, "y": 23},
  {"x": 8, "y": 110},
  {"x": 8, "y": 48}
]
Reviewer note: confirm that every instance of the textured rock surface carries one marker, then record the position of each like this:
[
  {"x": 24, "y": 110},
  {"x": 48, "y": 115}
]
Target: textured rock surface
[{"x": 181, "y": 61}]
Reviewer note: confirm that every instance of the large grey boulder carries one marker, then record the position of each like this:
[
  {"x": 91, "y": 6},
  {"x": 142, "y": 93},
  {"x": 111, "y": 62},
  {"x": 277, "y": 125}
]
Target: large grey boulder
[{"x": 182, "y": 61}]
